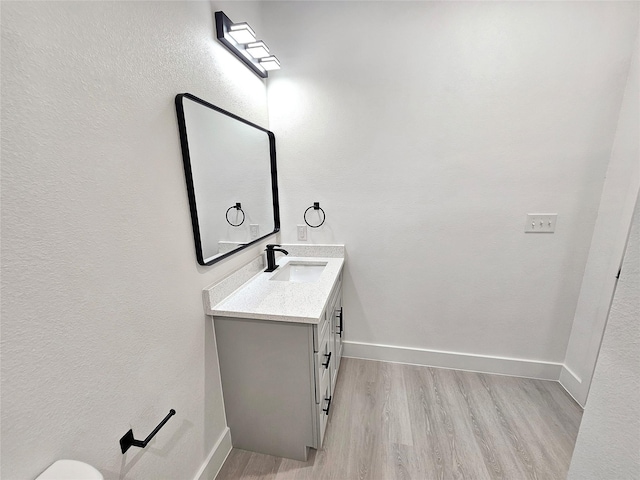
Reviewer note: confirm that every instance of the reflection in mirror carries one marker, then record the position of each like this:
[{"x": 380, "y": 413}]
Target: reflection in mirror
[{"x": 230, "y": 169}]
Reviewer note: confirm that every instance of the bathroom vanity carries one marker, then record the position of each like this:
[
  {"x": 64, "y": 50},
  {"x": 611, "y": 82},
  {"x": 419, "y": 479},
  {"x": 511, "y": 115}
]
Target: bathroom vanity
[{"x": 279, "y": 340}]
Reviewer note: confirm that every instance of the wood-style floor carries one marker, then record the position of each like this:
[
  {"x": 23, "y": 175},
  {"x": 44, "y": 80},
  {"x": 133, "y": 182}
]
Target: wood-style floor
[{"x": 391, "y": 421}]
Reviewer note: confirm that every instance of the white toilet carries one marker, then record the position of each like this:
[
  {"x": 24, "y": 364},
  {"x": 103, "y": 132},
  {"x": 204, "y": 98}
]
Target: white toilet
[{"x": 70, "y": 470}]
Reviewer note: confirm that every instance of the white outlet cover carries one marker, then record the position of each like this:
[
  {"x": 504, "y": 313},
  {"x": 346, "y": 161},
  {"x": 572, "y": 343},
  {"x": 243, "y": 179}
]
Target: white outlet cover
[
  {"x": 541, "y": 223},
  {"x": 254, "y": 230},
  {"x": 302, "y": 233}
]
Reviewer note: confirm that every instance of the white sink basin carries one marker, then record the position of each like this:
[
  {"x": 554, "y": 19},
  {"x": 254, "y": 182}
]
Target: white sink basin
[{"x": 299, "y": 272}]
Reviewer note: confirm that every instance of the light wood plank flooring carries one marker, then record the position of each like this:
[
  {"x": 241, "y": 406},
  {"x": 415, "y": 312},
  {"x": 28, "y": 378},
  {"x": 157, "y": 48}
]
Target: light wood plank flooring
[{"x": 391, "y": 421}]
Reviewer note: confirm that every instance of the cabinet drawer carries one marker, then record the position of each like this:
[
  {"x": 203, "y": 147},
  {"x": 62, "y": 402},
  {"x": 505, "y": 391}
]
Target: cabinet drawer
[
  {"x": 324, "y": 327},
  {"x": 332, "y": 300},
  {"x": 319, "y": 332},
  {"x": 324, "y": 408},
  {"x": 323, "y": 360},
  {"x": 337, "y": 356},
  {"x": 326, "y": 318}
]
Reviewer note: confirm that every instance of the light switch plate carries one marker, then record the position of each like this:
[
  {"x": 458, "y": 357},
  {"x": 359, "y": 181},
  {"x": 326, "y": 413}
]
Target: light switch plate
[
  {"x": 302, "y": 233},
  {"x": 254, "y": 230},
  {"x": 541, "y": 223}
]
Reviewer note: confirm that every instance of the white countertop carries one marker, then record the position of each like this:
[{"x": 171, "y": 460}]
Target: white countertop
[{"x": 262, "y": 298}]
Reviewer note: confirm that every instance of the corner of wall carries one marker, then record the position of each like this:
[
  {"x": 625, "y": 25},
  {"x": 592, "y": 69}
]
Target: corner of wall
[
  {"x": 573, "y": 385},
  {"x": 216, "y": 458},
  {"x": 617, "y": 202}
]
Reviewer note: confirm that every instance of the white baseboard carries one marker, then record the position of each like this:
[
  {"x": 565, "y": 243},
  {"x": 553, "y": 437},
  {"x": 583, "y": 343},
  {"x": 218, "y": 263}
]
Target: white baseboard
[
  {"x": 212, "y": 465},
  {"x": 573, "y": 385},
  {"x": 517, "y": 367}
]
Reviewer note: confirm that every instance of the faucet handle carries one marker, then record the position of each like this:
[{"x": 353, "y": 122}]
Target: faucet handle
[{"x": 271, "y": 246}]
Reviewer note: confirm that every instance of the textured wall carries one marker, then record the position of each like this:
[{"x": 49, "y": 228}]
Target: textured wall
[
  {"x": 427, "y": 130},
  {"x": 102, "y": 320},
  {"x": 607, "y": 245},
  {"x": 608, "y": 444}
]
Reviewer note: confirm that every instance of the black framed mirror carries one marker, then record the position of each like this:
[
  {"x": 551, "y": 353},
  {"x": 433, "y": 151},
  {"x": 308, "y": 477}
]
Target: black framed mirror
[{"x": 231, "y": 175}]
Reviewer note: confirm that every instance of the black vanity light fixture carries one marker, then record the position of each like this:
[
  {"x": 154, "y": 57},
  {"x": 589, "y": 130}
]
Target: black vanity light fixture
[{"x": 240, "y": 39}]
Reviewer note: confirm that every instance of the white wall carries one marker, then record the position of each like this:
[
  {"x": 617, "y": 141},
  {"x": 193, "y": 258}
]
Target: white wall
[
  {"x": 607, "y": 245},
  {"x": 425, "y": 162},
  {"x": 427, "y": 130},
  {"x": 103, "y": 327},
  {"x": 608, "y": 444}
]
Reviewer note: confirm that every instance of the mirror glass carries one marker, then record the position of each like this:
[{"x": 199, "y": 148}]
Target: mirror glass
[{"x": 230, "y": 169}]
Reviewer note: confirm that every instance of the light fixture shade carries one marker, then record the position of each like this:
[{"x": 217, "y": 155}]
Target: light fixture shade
[
  {"x": 242, "y": 33},
  {"x": 257, "y": 49},
  {"x": 270, "y": 63},
  {"x": 240, "y": 40}
]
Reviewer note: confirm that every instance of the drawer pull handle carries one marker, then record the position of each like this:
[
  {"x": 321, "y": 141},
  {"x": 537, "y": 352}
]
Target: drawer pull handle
[
  {"x": 326, "y": 365},
  {"x": 340, "y": 330},
  {"x": 326, "y": 410}
]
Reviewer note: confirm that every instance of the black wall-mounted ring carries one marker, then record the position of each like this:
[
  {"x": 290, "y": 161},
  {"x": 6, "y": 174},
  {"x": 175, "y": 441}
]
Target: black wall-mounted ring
[
  {"x": 315, "y": 206},
  {"x": 237, "y": 206}
]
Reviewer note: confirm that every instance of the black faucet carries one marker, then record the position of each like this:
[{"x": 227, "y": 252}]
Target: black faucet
[{"x": 271, "y": 256}]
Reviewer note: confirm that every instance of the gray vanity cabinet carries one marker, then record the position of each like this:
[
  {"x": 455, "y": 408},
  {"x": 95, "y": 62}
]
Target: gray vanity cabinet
[{"x": 278, "y": 379}]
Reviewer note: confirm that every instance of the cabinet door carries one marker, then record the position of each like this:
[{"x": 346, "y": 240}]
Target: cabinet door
[{"x": 337, "y": 334}]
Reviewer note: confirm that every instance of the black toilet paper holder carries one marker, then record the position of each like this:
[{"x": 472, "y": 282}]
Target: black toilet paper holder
[{"x": 128, "y": 440}]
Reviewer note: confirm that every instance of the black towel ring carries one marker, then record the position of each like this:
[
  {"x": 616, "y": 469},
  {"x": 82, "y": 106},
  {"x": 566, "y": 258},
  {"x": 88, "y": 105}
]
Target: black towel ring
[
  {"x": 237, "y": 206},
  {"x": 315, "y": 206}
]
